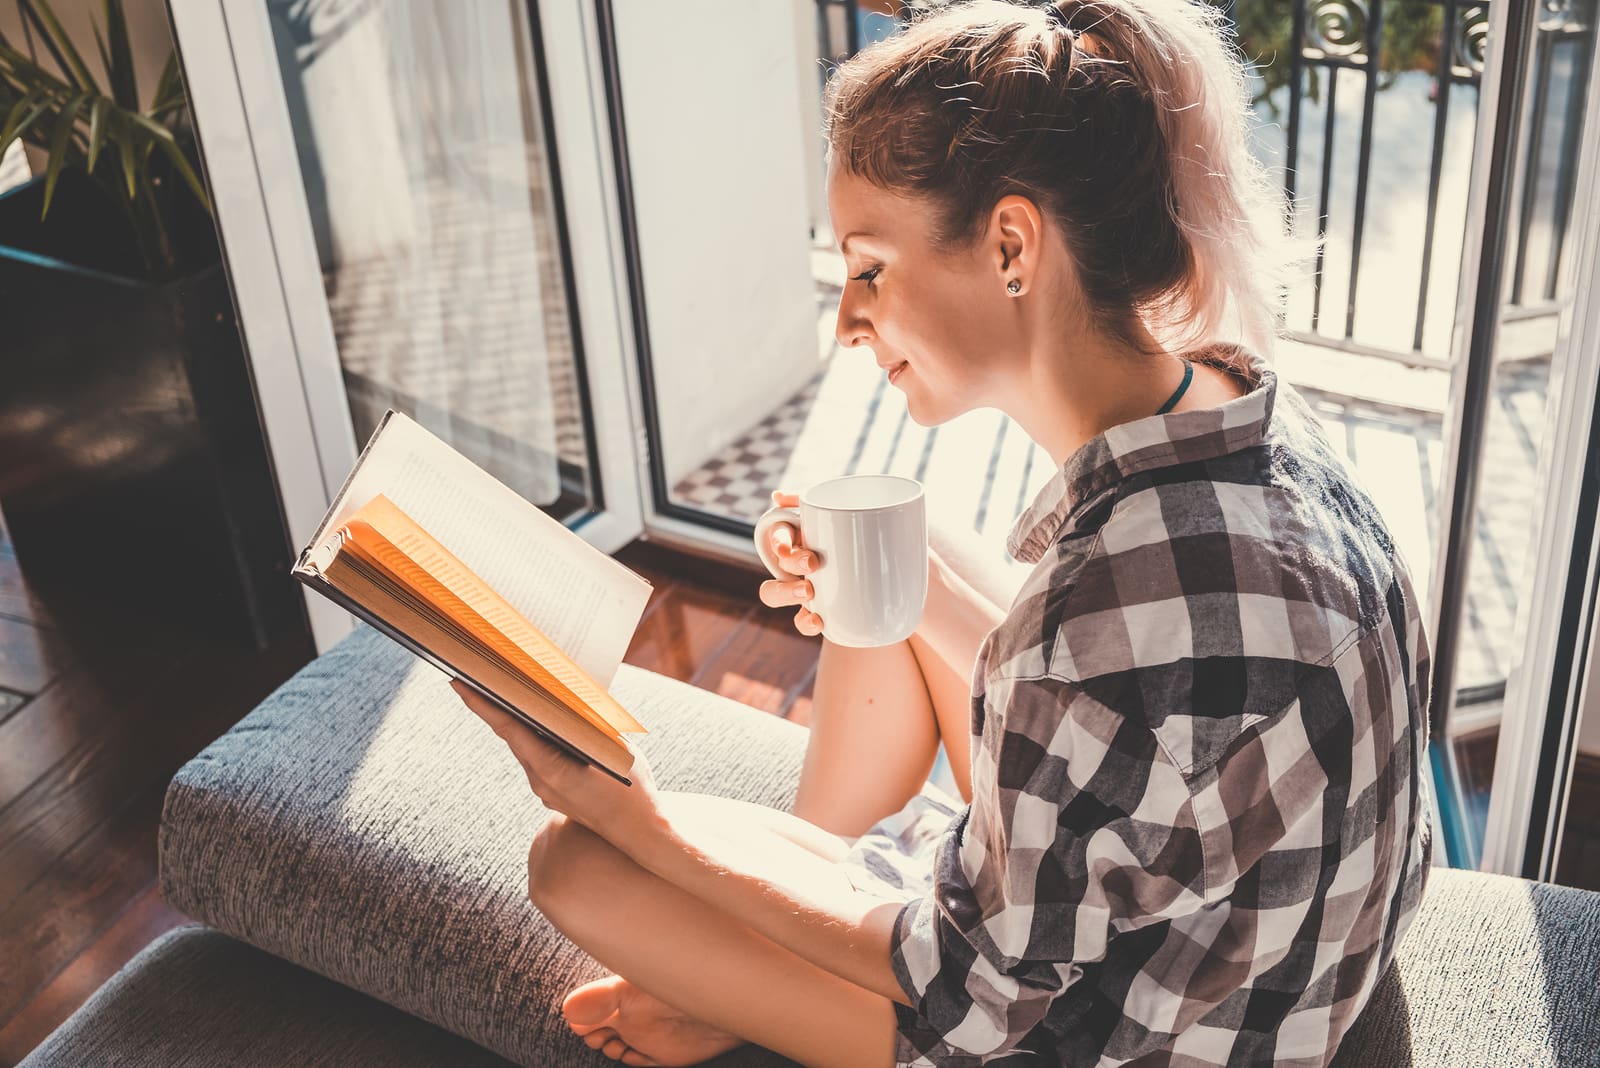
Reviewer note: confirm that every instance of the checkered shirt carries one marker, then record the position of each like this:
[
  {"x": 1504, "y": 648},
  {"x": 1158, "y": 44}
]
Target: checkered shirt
[{"x": 1199, "y": 825}]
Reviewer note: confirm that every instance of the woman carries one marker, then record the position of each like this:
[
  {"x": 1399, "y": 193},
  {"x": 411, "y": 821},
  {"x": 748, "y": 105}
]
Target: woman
[{"x": 1192, "y": 824}]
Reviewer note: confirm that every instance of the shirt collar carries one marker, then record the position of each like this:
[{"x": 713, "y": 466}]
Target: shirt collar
[{"x": 1146, "y": 444}]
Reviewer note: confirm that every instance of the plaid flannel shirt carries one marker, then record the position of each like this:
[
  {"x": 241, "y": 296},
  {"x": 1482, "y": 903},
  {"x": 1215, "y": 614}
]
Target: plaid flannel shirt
[{"x": 1199, "y": 825}]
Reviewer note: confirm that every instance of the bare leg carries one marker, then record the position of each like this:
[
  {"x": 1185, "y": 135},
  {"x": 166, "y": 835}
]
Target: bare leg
[
  {"x": 877, "y": 718},
  {"x": 697, "y": 983}
]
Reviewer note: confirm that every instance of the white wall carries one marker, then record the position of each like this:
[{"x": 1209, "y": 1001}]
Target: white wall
[
  {"x": 715, "y": 137},
  {"x": 809, "y": 68}
]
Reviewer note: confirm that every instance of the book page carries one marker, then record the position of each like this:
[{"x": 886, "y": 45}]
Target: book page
[
  {"x": 436, "y": 573},
  {"x": 584, "y": 601}
]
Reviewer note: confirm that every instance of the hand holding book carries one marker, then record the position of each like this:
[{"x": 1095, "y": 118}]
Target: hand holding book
[
  {"x": 619, "y": 814},
  {"x": 410, "y": 545}
]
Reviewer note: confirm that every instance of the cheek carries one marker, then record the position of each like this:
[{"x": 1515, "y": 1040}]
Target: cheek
[{"x": 955, "y": 344}]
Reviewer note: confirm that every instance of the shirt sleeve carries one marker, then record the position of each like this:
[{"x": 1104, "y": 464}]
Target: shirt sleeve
[{"x": 1079, "y": 826}]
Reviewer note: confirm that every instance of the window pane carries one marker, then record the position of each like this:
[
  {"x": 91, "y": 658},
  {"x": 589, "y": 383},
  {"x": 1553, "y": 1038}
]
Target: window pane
[{"x": 420, "y": 133}]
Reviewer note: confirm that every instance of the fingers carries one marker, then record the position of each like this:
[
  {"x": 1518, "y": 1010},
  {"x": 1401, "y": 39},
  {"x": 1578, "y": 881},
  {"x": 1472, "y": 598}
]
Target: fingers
[
  {"x": 808, "y": 622},
  {"x": 498, "y": 719},
  {"x": 785, "y": 541},
  {"x": 792, "y": 556},
  {"x": 537, "y": 757},
  {"x": 777, "y": 593}
]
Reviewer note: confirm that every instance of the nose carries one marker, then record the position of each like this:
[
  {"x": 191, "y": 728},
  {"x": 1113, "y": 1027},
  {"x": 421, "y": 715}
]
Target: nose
[{"x": 851, "y": 328}]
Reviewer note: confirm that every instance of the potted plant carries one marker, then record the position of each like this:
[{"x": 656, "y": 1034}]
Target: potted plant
[{"x": 130, "y": 445}]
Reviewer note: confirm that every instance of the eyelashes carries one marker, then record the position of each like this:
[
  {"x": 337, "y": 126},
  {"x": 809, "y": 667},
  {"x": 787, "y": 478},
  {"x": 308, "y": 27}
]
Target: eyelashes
[{"x": 867, "y": 276}]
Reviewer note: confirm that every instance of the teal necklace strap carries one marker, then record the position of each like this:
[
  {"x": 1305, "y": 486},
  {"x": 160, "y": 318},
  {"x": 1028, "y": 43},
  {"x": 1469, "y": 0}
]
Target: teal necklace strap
[{"x": 1183, "y": 387}]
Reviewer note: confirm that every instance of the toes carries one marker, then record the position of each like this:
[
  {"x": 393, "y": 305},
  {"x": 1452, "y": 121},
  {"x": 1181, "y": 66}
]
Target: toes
[
  {"x": 598, "y": 1037},
  {"x": 639, "y": 1060},
  {"x": 615, "y": 1049},
  {"x": 593, "y": 1003}
]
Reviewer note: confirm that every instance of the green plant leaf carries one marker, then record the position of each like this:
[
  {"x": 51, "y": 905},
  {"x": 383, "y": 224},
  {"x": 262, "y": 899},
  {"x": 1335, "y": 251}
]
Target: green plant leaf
[
  {"x": 68, "y": 51},
  {"x": 124, "y": 80},
  {"x": 97, "y": 130},
  {"x": 169, "y": 89},
  {"x": 181, "y": 163},
  {"x": 24, "y": 69},
  {"x": 22, "y": 116},
  {"x": 130, "y": 165},
  {"x": 60, "y": 140},
  {"x": 100, "y": 46},
  {"x": 155, "y": 128},
  {"x": 31, "y": 18}
]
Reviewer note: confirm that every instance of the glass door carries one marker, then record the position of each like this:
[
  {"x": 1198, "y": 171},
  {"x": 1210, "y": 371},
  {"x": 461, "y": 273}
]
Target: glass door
[
  {"x": 391, "y": 196},
  {"x": 1432, "y": 145}
]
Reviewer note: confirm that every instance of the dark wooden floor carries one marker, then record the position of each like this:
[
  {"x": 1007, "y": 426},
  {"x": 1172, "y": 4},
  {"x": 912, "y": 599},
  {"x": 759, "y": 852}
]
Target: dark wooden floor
[
  {"x": 1579, "y": 861},
  {"x": 95, "y": 718}
]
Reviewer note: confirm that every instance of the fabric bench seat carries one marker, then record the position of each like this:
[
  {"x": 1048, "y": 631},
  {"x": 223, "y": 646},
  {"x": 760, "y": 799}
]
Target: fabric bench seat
[
  {"x": 364, "y": 826},
  {"x": 195, "y": 998}
]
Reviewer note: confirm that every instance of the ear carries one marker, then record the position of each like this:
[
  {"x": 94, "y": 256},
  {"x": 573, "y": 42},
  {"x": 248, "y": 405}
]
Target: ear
[{"x": 1017, "y": 231}]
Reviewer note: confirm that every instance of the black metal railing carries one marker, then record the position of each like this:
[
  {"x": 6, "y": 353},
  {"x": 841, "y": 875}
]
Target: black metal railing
[{"x": 1362, "y": 46}]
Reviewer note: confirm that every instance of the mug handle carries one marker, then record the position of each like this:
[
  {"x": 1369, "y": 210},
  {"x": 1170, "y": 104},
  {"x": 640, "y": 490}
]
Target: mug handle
[{"x": 771, "y": 518}]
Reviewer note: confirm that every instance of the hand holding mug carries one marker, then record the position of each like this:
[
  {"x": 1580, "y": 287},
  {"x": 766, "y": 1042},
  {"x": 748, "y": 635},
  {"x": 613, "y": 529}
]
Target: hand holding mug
[
  {"x": 853, "y": 552},
  {"x": 783, "y": 539}
]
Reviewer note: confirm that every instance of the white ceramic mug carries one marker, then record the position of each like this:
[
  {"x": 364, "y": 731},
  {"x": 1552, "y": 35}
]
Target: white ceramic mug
[{"x": 870, "y": 533}]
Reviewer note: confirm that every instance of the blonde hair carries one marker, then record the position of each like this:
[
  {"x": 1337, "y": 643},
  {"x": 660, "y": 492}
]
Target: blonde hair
[{"x": 1126, "y": 121}]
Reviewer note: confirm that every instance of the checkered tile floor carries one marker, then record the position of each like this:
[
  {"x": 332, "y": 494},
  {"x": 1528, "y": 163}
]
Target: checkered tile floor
[{"x": 739, "y": 480}]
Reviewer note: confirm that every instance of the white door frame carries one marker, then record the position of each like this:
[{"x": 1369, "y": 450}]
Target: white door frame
[
  {"x": 252, "y": 167},
  {"x": 1554, "y": 662}
]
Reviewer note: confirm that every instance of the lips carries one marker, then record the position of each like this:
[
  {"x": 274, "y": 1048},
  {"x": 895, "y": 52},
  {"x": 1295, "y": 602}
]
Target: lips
[{"x": 894, "y": 369}]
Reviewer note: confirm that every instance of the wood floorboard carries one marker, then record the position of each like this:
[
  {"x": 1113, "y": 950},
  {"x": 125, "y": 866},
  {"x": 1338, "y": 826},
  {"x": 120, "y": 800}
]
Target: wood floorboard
[
  {"x": 30, "y": 656},
  {"x": 16, "y": 602},
  {"x": 689, "y": 627},
  {"x": 107, "y": 751},
  {"x": 47, "y": 729},
  {"x": 9, "y": 703},
  {"x": 1579, "y": 862},
  {"x": 764, "y": 664},
  {"x": 76, "y": 899},
  {"x": 142, "y": 922}
]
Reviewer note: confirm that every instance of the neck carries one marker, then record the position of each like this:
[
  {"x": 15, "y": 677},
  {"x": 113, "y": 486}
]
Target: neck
[{"x": 1074, "y": 389}]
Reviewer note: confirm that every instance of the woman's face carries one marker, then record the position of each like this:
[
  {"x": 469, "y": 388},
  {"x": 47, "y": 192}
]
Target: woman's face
[{"x": 935, "y": 321}]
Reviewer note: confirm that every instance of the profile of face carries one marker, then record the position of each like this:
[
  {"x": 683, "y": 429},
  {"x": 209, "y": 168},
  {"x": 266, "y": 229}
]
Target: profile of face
[{"x": 940, "y": 324}]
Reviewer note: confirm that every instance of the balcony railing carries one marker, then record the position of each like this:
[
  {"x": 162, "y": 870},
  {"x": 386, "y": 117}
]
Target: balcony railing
[{"x": 1366, "y": 48}]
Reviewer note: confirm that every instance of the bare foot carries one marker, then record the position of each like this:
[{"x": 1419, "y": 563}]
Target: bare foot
[{"x": 623, "y": 1022}]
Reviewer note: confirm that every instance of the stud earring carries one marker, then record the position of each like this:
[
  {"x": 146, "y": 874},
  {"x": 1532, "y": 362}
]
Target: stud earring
[{"x": 1014, "y": 287}]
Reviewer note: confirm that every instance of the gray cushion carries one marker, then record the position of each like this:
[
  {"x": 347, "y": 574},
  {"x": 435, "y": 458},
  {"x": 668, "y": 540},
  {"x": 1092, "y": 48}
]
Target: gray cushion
[
  {"x": 362, "y": 823},
  {"x": 196, "y": 999},
  {"x": 1494, "y": 971}
]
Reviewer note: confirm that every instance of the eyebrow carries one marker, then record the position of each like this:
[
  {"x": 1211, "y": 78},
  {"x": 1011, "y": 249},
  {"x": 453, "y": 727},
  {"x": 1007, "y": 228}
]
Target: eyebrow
[{"x": 844, "y": 246}]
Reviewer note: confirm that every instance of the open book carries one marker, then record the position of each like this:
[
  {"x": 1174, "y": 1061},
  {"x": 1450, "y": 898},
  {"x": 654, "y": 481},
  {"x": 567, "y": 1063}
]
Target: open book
[{"x": 439, "y": 555}]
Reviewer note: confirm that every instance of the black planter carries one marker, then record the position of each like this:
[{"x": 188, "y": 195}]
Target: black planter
[{"x": 132, "y": 461}]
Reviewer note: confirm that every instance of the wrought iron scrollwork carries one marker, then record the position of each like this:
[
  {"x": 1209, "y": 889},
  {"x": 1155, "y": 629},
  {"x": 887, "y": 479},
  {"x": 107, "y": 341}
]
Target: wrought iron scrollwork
[{"x": 1337, "y": 27}]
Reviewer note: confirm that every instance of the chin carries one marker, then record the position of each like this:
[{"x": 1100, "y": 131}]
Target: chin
[{"x": 931, "y": 415}]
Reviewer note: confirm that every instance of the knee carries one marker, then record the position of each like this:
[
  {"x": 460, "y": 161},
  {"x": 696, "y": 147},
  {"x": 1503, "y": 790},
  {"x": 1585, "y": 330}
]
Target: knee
[{"x": 558, "y": 860}]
